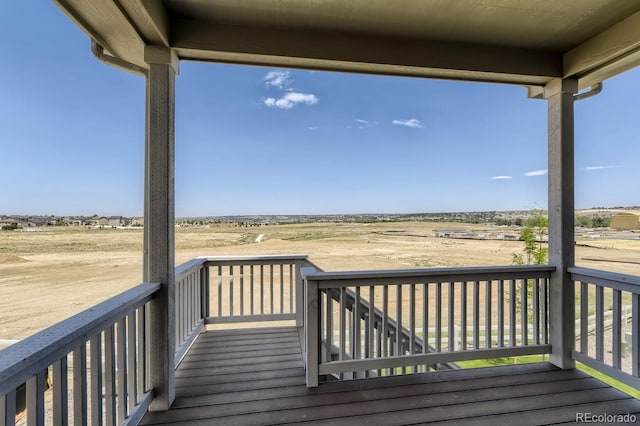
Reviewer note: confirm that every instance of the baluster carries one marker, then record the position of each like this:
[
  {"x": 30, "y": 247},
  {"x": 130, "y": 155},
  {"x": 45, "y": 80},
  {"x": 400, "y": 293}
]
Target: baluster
[
  {"x": 261, "y": 289},
  {"x": 109, "y": 375},
  {"x": 35, "y": 400},
  {"x": 291, "y": 289},
  {"x": 380, "y": 344},
  {"x": 599, "y": 323},
  {"x": 385, "y": 320},
  {"x": 524, "y": 310},
  {"x": 391, "y": 342},
  {"x": 271, "y": 289},
  {"x": 60, "y": 389},
  {"x": 241, "y": 289},
  {"x": 121, "y": 370},
  {"x": 367, "y": 339},
  {"x": 487, "y": 313},
  {"x": 512, "y": 313},
  {"x": 329, "y": 315},
  {"x": 616, "y": 330},
  {"x": 188, "y": 308},
  {"x": 412, "y": 321},
  {"x": 179, "y": 309},
  {"x": 439, "y": 317},
  {"x": 281, "y": 289},
  {"x": 8, "y": 409},
  {"x": 95, "y": 354},
  {"x": 635, "y": 335},
  {"x": 219, "y": 290},
  {"x": 463, "y": 315},
  {"x": 425, "y": 317},
  {"x": 80, "y": 385},
  {"x": 371, "y": 325},
  {"x": 342, "y": 316},
  {"x": 545, "y": 311},
  {"x": 399, "y": 320},
  {"x": 132, "y": 386},
  {"x": 476, "y": 315},
  {"x": 584, "y": 317},
  {"x": 231, "y": 290},
  {"x": 141, "y": 342},
  {"x": 451, "y": 318},
  {"x": 204, "y": 275},
  {"x": 251, "y": 290},
  {"x": 184, "y": 304},
  {"x": 357, "y": 335},
  {"x": 536, "y": 311},
  {"x": 501, "y": 313}
]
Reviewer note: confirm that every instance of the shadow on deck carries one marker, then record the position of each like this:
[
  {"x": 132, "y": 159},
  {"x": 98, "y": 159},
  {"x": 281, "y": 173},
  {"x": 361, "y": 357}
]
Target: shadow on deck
[{"x": 256, "y": 377}]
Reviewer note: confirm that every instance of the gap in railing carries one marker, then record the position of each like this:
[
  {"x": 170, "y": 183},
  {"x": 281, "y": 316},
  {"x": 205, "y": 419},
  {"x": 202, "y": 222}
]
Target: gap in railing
[{"x": 239, "y": 290}]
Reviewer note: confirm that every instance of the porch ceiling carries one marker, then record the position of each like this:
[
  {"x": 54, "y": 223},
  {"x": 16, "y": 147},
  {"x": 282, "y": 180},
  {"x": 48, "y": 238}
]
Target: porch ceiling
[{"x": 515, "y": 41}]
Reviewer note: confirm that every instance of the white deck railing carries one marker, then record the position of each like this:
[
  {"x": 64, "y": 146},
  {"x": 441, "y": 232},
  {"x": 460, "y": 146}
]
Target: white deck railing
[
  {"x": 94, "y": 362},
  {"x": 253, "y": 288},
  {"x": 612, "y": 346},
  {"x": 190, "y": 302},
  {"x": 356, "y": 324},
  {"x": 350, "y": 316}
]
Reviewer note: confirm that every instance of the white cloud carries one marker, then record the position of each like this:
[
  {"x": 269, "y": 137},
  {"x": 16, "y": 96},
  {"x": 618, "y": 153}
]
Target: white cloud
[
  {"x": 592, "y": 168},
  {"x": 277, "y": 79},
  {"x": 364, "y": 124},
  {"x": 291, "y": 99},
  {"x": 536, "y": 173},
  {"x": 500, "y": 177},
  {"x": 412, "y": 122}
]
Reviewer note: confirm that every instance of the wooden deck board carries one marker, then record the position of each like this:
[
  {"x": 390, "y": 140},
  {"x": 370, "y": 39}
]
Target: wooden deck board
[{"x": 257, "y": 384}]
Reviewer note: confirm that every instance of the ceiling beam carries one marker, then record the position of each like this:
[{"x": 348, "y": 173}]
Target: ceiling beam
[
  {"x": 150, "y": 18},
  {"x": 360, "y": 53},
  {"x": 598, "y": 58}
]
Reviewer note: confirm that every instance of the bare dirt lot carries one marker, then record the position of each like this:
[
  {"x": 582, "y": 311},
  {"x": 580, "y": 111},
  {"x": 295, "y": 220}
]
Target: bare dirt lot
[{"x": 51, "y": 275}]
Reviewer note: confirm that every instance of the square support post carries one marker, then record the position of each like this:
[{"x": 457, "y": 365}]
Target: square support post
[
  {"x": 159, "y": 220},
  {"x": 312, "y": 335},
  {"x": 559, "y": 94}
]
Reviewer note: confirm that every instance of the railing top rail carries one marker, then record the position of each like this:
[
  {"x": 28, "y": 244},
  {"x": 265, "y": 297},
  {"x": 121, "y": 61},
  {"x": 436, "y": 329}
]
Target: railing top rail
[
  {"x": 310, "y": 264},
  {"x": 432, "y": 274},
  {"x": 253, "y": 257},
  {"x": 187, "y": 266},
  {"x": 626, "y": 282},
  {"x": 20, "y": 360}
]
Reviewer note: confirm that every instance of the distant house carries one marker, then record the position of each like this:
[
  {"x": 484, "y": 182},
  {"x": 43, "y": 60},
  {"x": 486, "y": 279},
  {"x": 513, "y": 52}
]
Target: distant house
[
  {"x": 103, "y": 221},
  {"x": 626, "y": 220},
  {"x": 138, "y": 221},
  {"x": 116, "y": 221}
]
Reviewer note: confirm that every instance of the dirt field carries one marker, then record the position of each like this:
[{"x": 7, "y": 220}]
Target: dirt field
[{"x": 48, "y": 276}]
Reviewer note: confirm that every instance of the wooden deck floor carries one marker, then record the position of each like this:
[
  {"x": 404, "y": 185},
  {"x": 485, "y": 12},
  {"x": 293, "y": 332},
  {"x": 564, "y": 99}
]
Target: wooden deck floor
[{"x": 256, "y": 377}]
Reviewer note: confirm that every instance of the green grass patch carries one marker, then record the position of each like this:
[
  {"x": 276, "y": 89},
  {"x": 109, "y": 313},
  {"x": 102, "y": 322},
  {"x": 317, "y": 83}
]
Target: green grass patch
[
  {"x": 608, "y": 380},
  {"x": 541, "y": 358},
  {"x": 481, "y": 363}
]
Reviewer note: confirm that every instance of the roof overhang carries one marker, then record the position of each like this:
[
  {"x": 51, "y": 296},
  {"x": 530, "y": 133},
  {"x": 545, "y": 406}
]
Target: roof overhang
[{"x": 527, "y": 42}]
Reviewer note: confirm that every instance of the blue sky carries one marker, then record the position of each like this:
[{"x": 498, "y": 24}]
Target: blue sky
[{"x": 256, "y": 140}]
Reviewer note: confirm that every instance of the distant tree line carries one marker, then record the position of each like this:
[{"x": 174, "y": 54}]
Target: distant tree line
[{"x": 593, "y": 222}]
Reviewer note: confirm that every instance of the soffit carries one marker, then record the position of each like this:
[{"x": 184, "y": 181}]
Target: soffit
[
  {"x": 533, "y": 24},
  {"x": 511, "y": 41}
]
